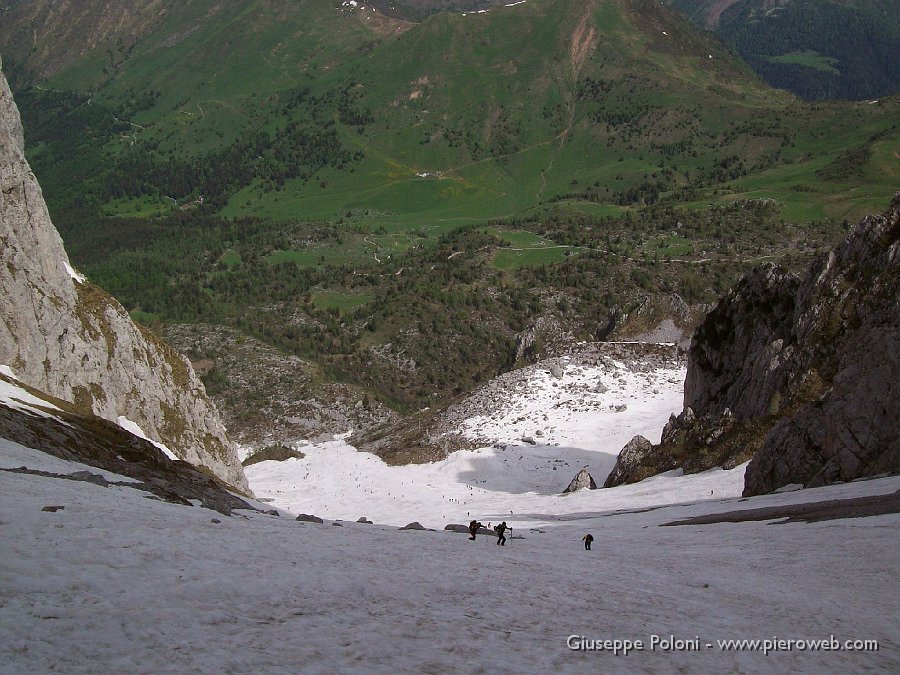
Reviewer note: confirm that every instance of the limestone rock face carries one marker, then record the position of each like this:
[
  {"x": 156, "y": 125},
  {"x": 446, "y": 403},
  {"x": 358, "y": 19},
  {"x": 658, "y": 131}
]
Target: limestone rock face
[
  {"x": 799, "y": 375},
  {"x": 583, "y": 480},
  {"x": 64, "y": 336}
]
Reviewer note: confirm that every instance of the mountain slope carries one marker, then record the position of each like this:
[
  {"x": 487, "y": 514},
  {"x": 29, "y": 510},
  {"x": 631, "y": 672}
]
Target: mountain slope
[
  {"x": 33, "y": 419},
  {"x": 402, "y": 204},
  {"x": 595, "y": 100}
]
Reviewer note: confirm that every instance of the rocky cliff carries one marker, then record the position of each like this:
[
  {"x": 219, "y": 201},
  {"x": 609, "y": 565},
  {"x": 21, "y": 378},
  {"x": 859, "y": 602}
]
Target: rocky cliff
[
  {"x": 64, "y": 336},
  {"x": 800, "y": 375}
]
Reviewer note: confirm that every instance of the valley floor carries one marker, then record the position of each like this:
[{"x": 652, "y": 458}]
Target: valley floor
[
  {"x": 576, "y": 411},
  {"x": 117, "y": 582}
]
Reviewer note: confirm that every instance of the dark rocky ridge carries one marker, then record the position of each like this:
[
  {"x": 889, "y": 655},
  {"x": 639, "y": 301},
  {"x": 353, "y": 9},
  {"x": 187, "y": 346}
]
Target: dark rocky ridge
[
  {"x": 75, "y": 436},
  {"x": 800, "y": 374},
  {"x": 811, "y": 512}
]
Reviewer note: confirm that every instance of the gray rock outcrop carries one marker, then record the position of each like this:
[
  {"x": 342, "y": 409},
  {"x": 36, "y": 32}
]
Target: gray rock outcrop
[
  {"x": 64, "y": 336},
  {"x": 583, "y": 481},
  {"x": 629, "y": 461},
  {"x": 842, "y": 381},
  {"x": 799, "y": 375}
]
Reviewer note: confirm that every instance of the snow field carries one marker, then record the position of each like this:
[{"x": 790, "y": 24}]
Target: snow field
[
  {"x": 570, "y": 410},
  {"x": 572, "y": 423},
  {"x": 118, "y": 582},
  {"x": 336, "y": 481}
]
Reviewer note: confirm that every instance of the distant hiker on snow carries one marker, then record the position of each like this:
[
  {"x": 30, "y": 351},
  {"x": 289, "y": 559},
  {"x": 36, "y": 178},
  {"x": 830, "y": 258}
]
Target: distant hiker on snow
[
  {"x": 587, "y": 539},
  {"x": 473, "y": 529},
  {"x": 500, "y": 529}
]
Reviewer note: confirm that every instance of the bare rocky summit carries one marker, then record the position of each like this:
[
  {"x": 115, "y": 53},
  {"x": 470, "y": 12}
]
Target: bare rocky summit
[
  {"x": 799, "y": 375},
  {"x": 64, "y": 336}
]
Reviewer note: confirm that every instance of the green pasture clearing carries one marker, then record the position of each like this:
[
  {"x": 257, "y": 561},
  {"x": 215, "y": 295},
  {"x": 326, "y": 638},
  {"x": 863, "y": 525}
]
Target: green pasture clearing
[
  {"x": 519, "y": 238},
  {"x": 230, "y": 258},
  {"x": 511, "y": 259},
  {"x": 671, "y": 246},
  {"x": 138, "y": 207},
  {"x": 343, "y": 302},
  {"x": 299, "y": 258},
  {"x": 808, "y": 58},
  {"x": 143, "y": 318}
]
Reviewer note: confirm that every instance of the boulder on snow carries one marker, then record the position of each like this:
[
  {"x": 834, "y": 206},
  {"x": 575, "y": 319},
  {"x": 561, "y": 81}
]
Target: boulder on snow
[
  {"x": 601, "y": 388},
  {"x": 582, "y": 480},
  {"x": 307, "y": 518},
  {"x": 557, "y": 371},
  {"x": 415, "y": 525},
  {"x": 529, "y": 439},
  {"x": 362, "y": 519},
  {"x": 630, "y": 459}
]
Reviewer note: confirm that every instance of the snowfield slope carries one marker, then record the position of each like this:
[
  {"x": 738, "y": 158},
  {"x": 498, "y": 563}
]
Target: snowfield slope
[
  {"x": 116, "y": 582},
  {"x": 109, "y": 580}
]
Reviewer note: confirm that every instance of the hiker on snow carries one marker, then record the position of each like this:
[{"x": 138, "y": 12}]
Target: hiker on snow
[
  {"x": 500, "y": 529},
  {"x": 587, "y": 539},
  {"x": 473, "y": 529}
]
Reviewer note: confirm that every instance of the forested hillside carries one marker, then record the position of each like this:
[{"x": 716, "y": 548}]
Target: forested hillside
[{"x": 818, "y": 49}]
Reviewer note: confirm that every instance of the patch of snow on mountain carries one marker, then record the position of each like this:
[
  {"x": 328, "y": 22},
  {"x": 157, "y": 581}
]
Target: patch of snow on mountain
[
  {"x": 14, "y": 455},
  {"x": 334, "y": 480},
  {"x": 15, "y": 396},
  {"x": 539, "y": 426},
  {"x": 134, "y": 428},
  {"x": 77, "y": 276},
  {"x": 592, "y": 407}
]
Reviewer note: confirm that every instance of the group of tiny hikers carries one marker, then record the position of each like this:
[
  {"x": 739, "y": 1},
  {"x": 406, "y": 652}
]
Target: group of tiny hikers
[{"x": 501, "y": 529}]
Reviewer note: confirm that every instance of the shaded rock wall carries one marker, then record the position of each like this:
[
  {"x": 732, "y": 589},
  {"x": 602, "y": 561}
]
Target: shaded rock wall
[{"x": 798, "y": 375}]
